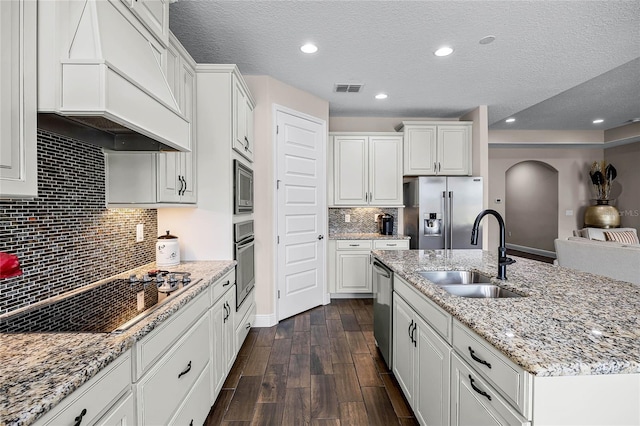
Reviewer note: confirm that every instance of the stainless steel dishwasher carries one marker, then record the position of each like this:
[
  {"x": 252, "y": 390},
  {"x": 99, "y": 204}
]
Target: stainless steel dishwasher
[{"x": 383, "y": 309}]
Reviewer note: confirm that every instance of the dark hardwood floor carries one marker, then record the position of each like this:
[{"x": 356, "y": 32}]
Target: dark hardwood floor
[{"x": 320, "y": 367}]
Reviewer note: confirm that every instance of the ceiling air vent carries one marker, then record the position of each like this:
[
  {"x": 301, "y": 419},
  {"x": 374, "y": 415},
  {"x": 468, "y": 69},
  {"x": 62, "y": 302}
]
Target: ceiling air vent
[{"x": 348, "y": 88}]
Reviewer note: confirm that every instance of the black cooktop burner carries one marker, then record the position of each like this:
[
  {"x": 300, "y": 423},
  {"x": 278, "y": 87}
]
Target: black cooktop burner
[{"x": 100, "y": 309}]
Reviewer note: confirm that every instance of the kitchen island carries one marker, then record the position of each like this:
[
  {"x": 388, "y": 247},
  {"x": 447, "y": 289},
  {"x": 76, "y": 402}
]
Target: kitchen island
[
  {"x": 38, "y": 370},
  {"x": 574, "y": 336}
]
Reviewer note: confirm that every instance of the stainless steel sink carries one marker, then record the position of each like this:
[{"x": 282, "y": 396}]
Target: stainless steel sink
[
  {"x": 479, "y": 291},
  {"x": 454, "y": 277},
  {"x": 467, "y": 284}
]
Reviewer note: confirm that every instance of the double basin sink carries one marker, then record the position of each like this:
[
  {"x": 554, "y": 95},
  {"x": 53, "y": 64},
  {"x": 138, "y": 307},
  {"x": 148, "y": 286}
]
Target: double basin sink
[{"x": 467, "y": 284}]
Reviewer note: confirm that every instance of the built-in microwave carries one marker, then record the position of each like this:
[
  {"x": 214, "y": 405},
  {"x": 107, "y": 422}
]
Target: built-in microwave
[{"x": 242, "y": 188}]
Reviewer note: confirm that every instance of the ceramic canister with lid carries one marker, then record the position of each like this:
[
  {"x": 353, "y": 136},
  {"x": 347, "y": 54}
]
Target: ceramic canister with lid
[{"x": 167, "y": 250}]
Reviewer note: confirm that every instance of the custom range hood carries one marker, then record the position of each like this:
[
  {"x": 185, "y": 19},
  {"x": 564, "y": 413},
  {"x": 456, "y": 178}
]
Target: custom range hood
[{"x": 101, "y": 80}]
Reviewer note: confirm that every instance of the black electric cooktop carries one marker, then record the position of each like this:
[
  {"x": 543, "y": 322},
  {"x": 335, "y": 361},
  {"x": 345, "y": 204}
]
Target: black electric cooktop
[{"x": 112, "y": 306}]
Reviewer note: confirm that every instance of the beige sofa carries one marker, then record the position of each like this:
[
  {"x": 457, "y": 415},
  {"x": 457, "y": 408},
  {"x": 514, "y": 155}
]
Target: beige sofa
[{"x": 590, "y": 253}]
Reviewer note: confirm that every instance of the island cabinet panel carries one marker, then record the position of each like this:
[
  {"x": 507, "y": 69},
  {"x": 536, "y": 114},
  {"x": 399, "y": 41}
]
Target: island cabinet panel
[
  {"x": 94, "y": 398},
  {"x": 475, "y": 402},
  {"x": 421, "y": 364},
  {"x": 511, "y": 381}
]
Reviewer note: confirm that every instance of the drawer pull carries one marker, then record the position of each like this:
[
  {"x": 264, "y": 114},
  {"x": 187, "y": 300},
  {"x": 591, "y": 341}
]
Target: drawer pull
[
  {"x": 227, "y": 283},
  {"x": 248, "y": 326},
  {"x": 354, "y": 245},
  {"x": 78, "y": 419},
  {"x": 476, "y": 359},
  {"x": 391, "y": 245},
  {"x": 186, "y": 370},
  {"x": 480, "y": 391},
  {"x": 191, "y": 422}
]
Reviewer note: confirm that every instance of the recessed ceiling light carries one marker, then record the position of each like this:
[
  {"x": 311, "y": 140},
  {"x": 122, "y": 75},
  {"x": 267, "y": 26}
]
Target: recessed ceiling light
[
  {"x": 382, "y": 96},
  {"x": 487, "y": 39},
  {"x": 510, "y": 120},
  {"x": 443, "y": 51},
  {"x": 598, "y": 121},
  {"x": 309, "y": 48}
]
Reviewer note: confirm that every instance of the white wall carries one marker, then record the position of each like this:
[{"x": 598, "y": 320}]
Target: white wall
[
  {"x": 573, "y": 173},
  {"x": 268, "y": 91}
]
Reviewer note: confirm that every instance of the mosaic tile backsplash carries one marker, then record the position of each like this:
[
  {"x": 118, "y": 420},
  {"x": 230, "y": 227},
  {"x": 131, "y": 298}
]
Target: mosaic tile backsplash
[
  {"x": 66, "y": 238},
  {"x": 361, "y": 220}
]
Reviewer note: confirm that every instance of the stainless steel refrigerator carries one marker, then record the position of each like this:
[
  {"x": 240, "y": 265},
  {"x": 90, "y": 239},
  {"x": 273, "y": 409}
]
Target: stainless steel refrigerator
[{"x": 439, "y": 211}]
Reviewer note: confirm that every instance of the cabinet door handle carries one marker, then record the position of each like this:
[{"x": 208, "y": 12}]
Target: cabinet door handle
[
  {"x": 78, "y": 419},
  {"x": 185, "y": 371},
  {"x": 410, "y": 334},
  {"x": 184, "y": 179},
  {"x": 246, "y": 147},
  {"x": 415, "y": 341},
  {"x": 476, "y": 359},
  {"x": 227, "y": 283},
  {"x": 435, "y": 166},
  {"x": 366, "y": 196},
  {"x": 480, "y": 391},
  {"x": 248, "y": 326},
  {"x": 439, "y": 166},
  {"x": 224, "y": 306},
  {"x": 191, "y": 422}
]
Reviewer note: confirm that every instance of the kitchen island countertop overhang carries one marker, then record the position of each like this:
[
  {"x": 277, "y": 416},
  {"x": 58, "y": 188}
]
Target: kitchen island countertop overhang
[{"x": 569, "y": 323}]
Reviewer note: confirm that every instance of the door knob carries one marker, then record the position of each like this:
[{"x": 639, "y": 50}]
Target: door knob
[{"x": 320, "y": 237}]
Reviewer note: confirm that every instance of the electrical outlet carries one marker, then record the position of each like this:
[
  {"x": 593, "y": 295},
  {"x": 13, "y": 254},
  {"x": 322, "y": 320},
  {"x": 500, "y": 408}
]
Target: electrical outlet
[
  {"x": 140, "y": 297},
  {"x": 347, "y": 218},
  {"x": 139, "y": 232}
]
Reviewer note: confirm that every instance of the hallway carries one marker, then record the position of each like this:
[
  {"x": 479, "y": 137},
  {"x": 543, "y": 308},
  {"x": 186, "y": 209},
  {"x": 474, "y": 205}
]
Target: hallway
[{"x": 320, "y": 367}]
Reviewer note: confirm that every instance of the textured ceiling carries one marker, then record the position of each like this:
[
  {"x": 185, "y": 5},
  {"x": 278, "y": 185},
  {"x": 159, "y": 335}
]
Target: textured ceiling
[{"x": 553, "y": 65}]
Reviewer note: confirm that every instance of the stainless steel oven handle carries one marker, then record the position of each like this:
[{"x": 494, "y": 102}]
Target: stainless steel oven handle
[{"x": 244, "y": 242}]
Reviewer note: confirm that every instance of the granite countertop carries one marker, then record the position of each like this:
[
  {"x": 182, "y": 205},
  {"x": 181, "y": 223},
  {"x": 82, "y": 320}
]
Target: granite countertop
[
  {"x": 38, "y": 370},
  {"x": 571, "y": 323},
  {"x": 366, "y": 236}
]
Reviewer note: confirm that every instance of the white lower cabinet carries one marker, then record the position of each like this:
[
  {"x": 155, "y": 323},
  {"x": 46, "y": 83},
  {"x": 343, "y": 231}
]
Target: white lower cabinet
[
  {"x": 223, "y": 347},
  {"x": 475, "y": 402},
  {"x": 123, "y": 413},
  {"x": 95, "y": 398},
  {"x": 421, "y": 364},
  {"x": 349, "y": 263},
  {"x": 191, "y": 412},
  {"x": 164, "y": 388}
]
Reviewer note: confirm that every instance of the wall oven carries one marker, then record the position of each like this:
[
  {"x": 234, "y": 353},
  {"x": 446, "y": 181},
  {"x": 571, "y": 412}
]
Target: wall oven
[
  {"x": 244, "y": 255},
  {"x": 242, "y": 188}
]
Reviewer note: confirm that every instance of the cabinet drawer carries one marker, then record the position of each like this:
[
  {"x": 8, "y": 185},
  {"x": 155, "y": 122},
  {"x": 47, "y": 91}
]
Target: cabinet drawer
[
  {"x": 95, "y": 396},
  {"x": 475, "y": 401},
  {"x": 164, "y": 388},
  {"x": 196, "y": 405},
  {"x": 434, "y": 315},
  {"x": 122, "y": 413},
  {"x": 391, "y": 244},
  {"x": 247, "y": 305},
  {"x": 149, "y": 349},
  {"x": 353, "y": 244},
  {"x": 242, "y": 329},
  {"x": 221, "y": 286},
  {"x": 511, "y": 381}
]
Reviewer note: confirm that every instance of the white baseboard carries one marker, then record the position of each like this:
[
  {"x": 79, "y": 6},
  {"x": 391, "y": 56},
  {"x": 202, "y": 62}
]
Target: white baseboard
[
  {"x": 532, "y": 250},
  {"x": 268, "y": 320},
  {"x": 351, "y": 295}
]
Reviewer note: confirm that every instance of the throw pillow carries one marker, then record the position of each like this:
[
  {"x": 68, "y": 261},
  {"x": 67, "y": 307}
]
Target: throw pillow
[{"x": 627, "y": 237}]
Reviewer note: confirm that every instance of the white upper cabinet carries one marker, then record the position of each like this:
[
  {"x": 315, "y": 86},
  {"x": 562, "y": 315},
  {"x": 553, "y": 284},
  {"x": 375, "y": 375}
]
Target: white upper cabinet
[
  {"x": 437, "y": 148},
  {"x": 154, "y": 14},
  {"x": 367, "y": 169},
  {"x": 242, "y": 120},
  {"x": 18, "y": 155}
]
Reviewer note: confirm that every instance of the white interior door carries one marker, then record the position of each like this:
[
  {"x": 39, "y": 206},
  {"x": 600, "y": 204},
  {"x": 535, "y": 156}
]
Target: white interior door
[{"x": 301, "y": 212}]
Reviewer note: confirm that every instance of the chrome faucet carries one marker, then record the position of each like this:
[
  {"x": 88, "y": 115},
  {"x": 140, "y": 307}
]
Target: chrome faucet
[{"x": 503, "y": 260}]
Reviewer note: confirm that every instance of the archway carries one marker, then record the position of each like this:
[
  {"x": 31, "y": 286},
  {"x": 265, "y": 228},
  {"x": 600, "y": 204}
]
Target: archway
[{"x": 531, "y": 207}]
